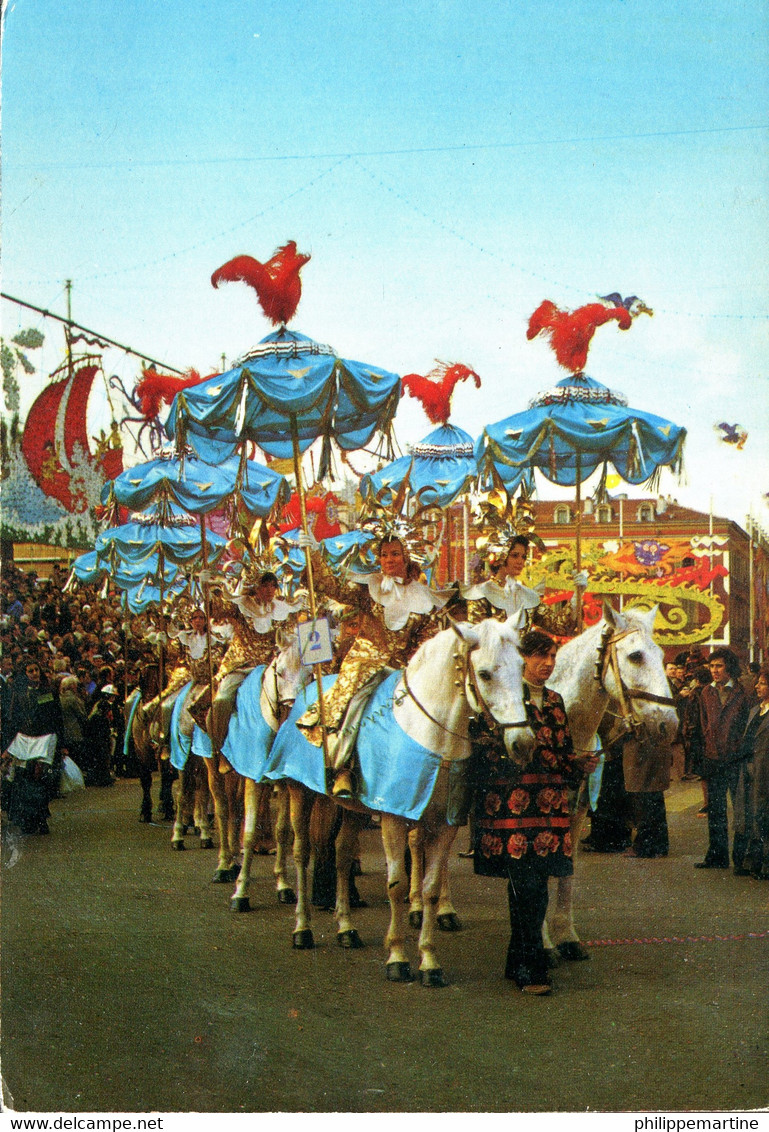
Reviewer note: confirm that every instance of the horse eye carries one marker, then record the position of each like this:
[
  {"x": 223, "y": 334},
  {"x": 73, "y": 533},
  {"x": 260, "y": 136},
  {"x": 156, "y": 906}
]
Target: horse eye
[
  {"x": 636, "y": 657},
  {"x": 484, "y": 674}
]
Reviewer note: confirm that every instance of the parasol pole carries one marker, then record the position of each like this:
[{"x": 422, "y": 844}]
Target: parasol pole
[
  {"x": 310, "y": 581},
  {"x": 162, "y": 564},
  {"x": 207, "y": 607},
  {"x": 466, "y": 536},
  {"x": 578, "y": 549}
]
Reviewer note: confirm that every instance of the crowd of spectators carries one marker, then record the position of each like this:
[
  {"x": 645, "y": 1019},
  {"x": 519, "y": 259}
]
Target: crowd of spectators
[{"x": 67, "y": 663}]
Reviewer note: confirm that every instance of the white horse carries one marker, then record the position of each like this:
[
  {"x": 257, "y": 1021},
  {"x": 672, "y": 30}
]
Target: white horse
[
  {"x": 614, "y": 667},
  {"x": 413, "y": 742},
  {"x": 280, "y": 683}
]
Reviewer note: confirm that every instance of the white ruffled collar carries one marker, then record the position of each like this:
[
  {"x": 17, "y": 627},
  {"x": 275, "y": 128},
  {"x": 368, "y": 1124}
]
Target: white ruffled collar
[
  {"x": 511, "y": 597},
  {"x": 400, "y": 599},
  {"x": 262, "y": 617}
]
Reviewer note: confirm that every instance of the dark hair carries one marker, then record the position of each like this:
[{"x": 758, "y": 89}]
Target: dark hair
[
  {"x": 729, "y": 659},
  {"x": 412, "y": 570},
  {"x": 268, "y": 578},
  {"x": 517, "y": 540},
  {"x": 763, "y": 671},
  {"x": 536, "y": 643},
  {"x": 702, "y": 675}
]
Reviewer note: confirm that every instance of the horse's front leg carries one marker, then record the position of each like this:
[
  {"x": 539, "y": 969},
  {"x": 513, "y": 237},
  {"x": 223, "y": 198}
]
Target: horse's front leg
[
  {"x": 301, "y": 802},
  {"x": 180, "y": 791},
  {"x": 226, "y": 870},
  {"x": 240, "y": 901},
  {"x": 347, "y": 841},
  {"x": 416, "y": 876},
  {"x": 283, "y": 838},
  {"x": 563, "y": 939},
  {"x": 201, "y": 799},
  {"x": 438, "y": 845},
  {"x": 394, "y": 840}
]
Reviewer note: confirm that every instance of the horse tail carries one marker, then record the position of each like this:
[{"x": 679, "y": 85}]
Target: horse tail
[{"x": 322, "y": 819}]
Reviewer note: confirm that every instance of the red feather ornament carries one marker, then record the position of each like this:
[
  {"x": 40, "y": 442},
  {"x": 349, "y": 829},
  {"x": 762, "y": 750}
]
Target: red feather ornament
[
  {"x": 570, "y": 332},
  {"x": 435, "y": 390},
  {"x": 276, "y": 282},
  {"x": 155, "y": 388}
]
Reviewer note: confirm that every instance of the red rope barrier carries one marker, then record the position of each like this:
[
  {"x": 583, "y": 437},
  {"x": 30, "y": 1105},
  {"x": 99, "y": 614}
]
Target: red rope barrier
[{"x": 676, "y": 939}]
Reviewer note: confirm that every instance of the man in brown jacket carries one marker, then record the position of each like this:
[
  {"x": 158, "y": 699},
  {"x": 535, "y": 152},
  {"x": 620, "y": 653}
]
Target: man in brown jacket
[{"x": 724, "y": 711}]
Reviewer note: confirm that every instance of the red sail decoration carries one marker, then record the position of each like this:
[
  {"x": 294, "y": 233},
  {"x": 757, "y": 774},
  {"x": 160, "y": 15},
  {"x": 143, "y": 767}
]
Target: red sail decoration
[{"x": 55, "y": 442}]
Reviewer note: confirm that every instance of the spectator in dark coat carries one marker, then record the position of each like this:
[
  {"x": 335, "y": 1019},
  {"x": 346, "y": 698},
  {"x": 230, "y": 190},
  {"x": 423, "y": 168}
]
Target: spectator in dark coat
[
  {"x": 35, "y": 713},
  {"x": 724, "y": 710}
]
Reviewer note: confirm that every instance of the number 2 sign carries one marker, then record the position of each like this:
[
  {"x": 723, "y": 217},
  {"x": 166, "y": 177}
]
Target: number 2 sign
[{"x": 315, "y": 641}]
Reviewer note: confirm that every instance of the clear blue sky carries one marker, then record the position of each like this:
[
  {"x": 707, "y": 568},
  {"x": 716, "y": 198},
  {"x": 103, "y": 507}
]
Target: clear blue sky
[{"x": 448, "y": 166}]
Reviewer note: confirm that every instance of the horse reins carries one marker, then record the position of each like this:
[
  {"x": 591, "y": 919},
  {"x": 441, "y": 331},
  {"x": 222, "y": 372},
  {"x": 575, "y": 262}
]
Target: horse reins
[
  {"x": 607, "y": 658},
  {"x": 468, "y": 678}
]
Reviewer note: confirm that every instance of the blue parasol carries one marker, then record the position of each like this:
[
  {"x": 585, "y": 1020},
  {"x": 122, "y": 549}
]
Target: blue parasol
[
  {"x": 439, "y": 469},
  {"x": 199, "y": 487},
  {"x": 572, "y": 429},
  {"x": 163, "y": 529},
  {"x": 283, "y": 395}
]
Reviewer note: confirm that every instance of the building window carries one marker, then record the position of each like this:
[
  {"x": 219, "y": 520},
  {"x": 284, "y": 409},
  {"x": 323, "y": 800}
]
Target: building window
[
  {"x": 645, "y": 513},
  {"x": 562, "y": 514},
  {"x": 603, "y": 513}
]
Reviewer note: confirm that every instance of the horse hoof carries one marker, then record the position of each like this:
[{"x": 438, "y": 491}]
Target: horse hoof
[
  {"x": 226, "y": 876},
  {"x": 553, "y": 957},
  {"x": 145, "y": 817},
  {"x": 449, "y": 922},
  {"x": 350, "y": 939},
  {"x": 399, "y": 973},
  {"x": 240, "y": 904},
  {"x": 433, "y": 978},
  {"x": 286, "y": 896},
  {"x": 178, "y": 846},
  {"x": 303, "y": 940},
  {"x": 206, "y": 843},
  {"x": 415, "y": 920},
  {"x": 572, "y": 950}
]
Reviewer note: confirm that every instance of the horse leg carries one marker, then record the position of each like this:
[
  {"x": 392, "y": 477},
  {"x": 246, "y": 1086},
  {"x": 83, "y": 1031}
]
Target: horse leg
[
  {"x": 346, "y": 848},
  {"x": 264, "y": 841},
  {"x": 251, "y": 791},
  {"x": 145, "y": 781},
  {"x": 437, "y": 849},
  {"x": 562, "y": 930},
  {"x": 180, "y": 791},
  {"x": 166, "y": 807},
  {"x": 226, "y": 870},
  {"x": 448, "y": 920},
  {"x": 283, "y": 836},
  {"x": 394, "y": 839},
  {"x": 416, "y": 876},
  {"x": 300, "y": 804},
  {"x": 202, "y": 798}
]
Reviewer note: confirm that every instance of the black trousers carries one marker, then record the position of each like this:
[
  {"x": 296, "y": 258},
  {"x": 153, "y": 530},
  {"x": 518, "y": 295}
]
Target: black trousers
[
  {"x": 651, "y": 821},
  {"x": 721, "y": 782},
  {"x": 527, "y": 898}
]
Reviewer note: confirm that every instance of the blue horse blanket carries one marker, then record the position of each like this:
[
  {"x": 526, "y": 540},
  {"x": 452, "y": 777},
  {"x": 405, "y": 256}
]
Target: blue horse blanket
[
  {"x": 249, "y": 736},
  {"x": 180, "y": 744},
  {"x": 396, "y": 774}
]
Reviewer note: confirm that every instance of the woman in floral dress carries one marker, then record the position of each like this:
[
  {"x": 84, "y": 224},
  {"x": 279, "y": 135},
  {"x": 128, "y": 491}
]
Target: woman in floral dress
[{"x": 522, "y": 827}]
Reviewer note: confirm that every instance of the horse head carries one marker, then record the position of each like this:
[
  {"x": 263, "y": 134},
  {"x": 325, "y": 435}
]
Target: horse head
[
  {"x": 631, "y": 668},
  {"x": 494, "y": 680}
]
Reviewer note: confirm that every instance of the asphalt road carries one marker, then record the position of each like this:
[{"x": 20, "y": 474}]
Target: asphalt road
[{"x": 128, "y": 986}]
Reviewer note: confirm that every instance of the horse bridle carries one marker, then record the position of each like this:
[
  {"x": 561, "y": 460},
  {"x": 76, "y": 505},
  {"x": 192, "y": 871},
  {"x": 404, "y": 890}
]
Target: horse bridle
[
  {"x": 468, "y": 679},
  {"x": 607, "y": 658}
]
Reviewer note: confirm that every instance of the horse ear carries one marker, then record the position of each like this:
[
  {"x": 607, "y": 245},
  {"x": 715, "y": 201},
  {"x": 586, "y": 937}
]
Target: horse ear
[
  {"x": 468, "y": 633},
  {"x": 610, "y": 615},
  {"x": 516, "y": 621},
  {"x": 650, "y": 616}
]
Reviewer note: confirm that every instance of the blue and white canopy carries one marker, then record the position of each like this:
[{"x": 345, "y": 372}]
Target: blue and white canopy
[
  {"x": 199, "y": 487},
  {"x": 569, "y": 431},
  {"x": 442, "y": 467},
  {"x": 287, "y": 381},
  {"x": 163, "y": 529}
]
